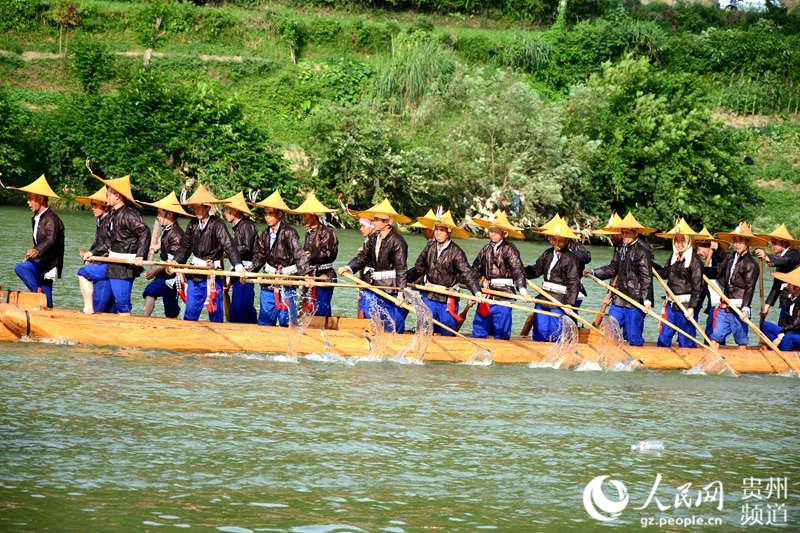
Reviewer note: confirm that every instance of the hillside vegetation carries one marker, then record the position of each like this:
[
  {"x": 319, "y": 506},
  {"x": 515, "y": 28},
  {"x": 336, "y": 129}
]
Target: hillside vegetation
[{"x": 476, "y": 105}]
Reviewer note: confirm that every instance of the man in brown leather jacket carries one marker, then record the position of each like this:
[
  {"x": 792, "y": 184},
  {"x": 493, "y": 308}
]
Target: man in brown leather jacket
[
  {"x": 499, "y": 267},
  {"x": 206, "y": 242},
  {"x": 278, "y": 251},
  {"x": 45, "y": 260},
  {"x": 163, "y": 285},
  {"x": 442, "y": 264},
  {"x": 321, "y": 248},
  {"x": 631, "y": 265},
  {"x": 737, "y": 276},
  {"x": 245, "y": 233},
  {"x": 382, "y": 260},
  {"x": 129, "y": 240},
  {"x": 558, "y": 268}
]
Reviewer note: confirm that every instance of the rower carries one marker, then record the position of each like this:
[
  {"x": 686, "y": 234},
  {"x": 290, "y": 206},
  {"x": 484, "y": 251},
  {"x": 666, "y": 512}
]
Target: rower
[
  {"x": 582, "y": 254},
  {"x": 245, "y": 233},
  {"x": 442, "y": 264},
  {"x": 737, "y": 276},
  {"x": 711, "y": 253},
  {"x": 382, "y": 261},
  {"x": 614, "y": 237},
  {"x": 561, "y": 278},
  {"x": 321, "y": 248},
  {"x": 129, "y": 239},
  {"x": 786, "y": 333},
  {"x": 784, "y": 259},
  {"x": 204, "y": 244},
  {"x": 44, "y": 262},
  {"x": 93, "y": 277},
  {"x": 499, "y": 267},
  {"x": 278, "y": 251},
  {"x": 367, "y": 230},
  {"x": 684, "y": 277},
  {"x": 163, "y": 285},
  {"x": 631, "y": 265}
]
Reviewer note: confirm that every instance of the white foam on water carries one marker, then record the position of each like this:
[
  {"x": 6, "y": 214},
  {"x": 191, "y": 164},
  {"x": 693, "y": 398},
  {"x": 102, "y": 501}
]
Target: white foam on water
[
  {"x": 248, "y": 356},
  {"x": 788, "y": 373},
  {"x": 630, "y": 366},
  {"x": 589, "y": 366},
  {"x": 55, "y": 340},
  {"x": 544, "y": 364},
  {"x": 329, "y": 358},
  {"x": 694, "y": 371}
]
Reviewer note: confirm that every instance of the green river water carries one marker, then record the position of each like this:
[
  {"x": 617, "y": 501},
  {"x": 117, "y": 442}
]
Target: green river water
[{"x": 97, "y": 439}]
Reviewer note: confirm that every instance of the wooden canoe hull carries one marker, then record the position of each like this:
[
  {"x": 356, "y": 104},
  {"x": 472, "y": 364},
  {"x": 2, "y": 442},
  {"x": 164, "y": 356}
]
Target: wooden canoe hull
[{"x": 341, "y": 336}]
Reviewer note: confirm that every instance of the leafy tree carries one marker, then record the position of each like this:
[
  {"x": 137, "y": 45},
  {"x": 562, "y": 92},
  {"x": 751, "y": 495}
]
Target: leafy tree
[
  {"x": 165, "y": 137},
  {"x": 659, "y": 154},
  {"x": 508, "y": 150},
  {"x": 16, "y": 141},
  {"x": 93, "y": 63},
  {"x": 66, "y": 15}
]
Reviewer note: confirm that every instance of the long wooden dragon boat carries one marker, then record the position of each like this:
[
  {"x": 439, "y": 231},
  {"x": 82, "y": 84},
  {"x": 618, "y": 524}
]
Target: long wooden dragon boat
[{"x": 23, "y": 315}]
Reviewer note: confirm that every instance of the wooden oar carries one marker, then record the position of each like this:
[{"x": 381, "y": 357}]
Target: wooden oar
[
  {"x": 395, "y": 301},
  {"x": 462, "y": 316},
  {"x": 761, "y": 290},
  {"x": 201, "y": 271},
  {"x": 708, "y": 346},
  {"x": 752, "y": 326},
  {"x": 301, "y": 283},
  {"x": 598, "y": 316},
  {"x": 478, "y": 299},
  {"x": 512, "y": 296},
  {"x": 121, "y": 261},
  {"x": 568, "y": 311},
  {"x": 644, "y": 310}
]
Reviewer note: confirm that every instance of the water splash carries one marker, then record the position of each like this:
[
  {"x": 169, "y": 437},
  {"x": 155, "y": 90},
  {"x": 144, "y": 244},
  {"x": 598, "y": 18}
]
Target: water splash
[
  {"x": 48, "y": 340},
  {"x": 563, "y": 352},
  {"x": 610, "y": 346},
  {"x": 423, "y": 329},
  {"x": 481, "y": 357},
  {"x": 300, "y": 317}
]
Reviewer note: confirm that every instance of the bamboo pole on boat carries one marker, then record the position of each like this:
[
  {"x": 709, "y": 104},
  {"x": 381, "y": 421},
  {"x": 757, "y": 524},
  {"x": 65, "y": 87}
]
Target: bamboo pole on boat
[
  {"x": 644, "y": 310},
  {"x": 750, "y": 324},
  {"x": 519, "y": 297},
  {"x": 194, "y": 271},
  {"x": 387, "y": 296},
  {"x": 568, "y": 309},
  {"x": 478, "y": 299},
  {"x": 710, "y": 347},
  {"x": 301, "y": 283}
]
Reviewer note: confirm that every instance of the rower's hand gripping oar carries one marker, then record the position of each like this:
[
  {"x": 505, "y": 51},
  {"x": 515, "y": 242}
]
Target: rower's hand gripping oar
[
  {"x": 387, "y": 296},
  {"x": 567, "y": 310},
  {"x": 752, "y": 326},
  {"x": 708, "y": 346},
  {"x": 478, "y": 299}
]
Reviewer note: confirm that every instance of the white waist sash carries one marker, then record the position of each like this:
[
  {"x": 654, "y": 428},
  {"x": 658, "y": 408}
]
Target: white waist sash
[
  {"x": 554, "y": 287},
  {"x": 117, "y": 255},
  {"x": 501, "y": 282},
  {"x": 202, "y": 262},
  {"x": 382, "y": 275}
]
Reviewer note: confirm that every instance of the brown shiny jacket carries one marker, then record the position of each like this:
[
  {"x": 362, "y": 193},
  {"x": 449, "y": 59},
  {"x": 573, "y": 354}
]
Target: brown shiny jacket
[{"x": 448, "y": 269}]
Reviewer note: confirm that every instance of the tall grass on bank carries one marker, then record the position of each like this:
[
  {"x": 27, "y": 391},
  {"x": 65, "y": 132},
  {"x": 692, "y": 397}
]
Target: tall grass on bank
[
  {"x": 759, "y": 94},
  {"x": 417, "y": 64}
]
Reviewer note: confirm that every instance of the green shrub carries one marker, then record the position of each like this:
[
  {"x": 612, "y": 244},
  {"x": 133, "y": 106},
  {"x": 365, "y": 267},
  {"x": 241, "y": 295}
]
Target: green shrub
[
  {"x": 21, "y": 15},
  {"x": 92, "y": 63}
]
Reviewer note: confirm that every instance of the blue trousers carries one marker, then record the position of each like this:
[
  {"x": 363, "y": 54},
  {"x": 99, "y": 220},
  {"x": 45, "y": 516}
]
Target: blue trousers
[
  {"x": 243, "y": 308},
  {"x": 322, "y": 298},
  {"x": 631, "y": 320},
  {"x": 393, "y": 317},
  {"x": 158, "y": 288},
  {"x": 196, "y": 296},
  {"x": 679, "y": 319},
  {"x": 102, "y": 297},
  {"x": 363, "y": 307},
  {"x": 277, "y": 309},
  {"x": 28, "y": 272},
  {"x": 121, "y": 289},
  {"x": 441, "y": 313},
  {"x": 728, "y": 323},
  {"x": 790, "y": 342},
  {"x": 547, "y": 328},
  {"x": 497, "y": 323}
]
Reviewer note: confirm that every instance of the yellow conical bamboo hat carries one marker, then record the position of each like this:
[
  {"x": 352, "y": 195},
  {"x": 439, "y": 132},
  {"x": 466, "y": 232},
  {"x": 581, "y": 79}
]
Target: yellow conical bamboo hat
[
  {"x": 169, "y": 203},
  {"x": 500, "y": 220},
  {"x": 742, "y": 230},
  {"x": 312, "y": 206},
  {"x": 555, "y": 220},
  {"x": 705, "y": 236},
  {"x": 202, "y": 196},
  {"x": 611, "y": 227},
  {"x": 122, "y": 186},
  {"x": 419, "y": 225},
  {"x": 384, "y": 208},
  {"x": 101, "y": 196},
  {"x": 630, "y": 222},
  {"x": 38, "y": 186},
  {"x": 273, "y": 201},
  {"x": 781, "y": 233},
  {"x": 681, "y": 228},
  {"x": 238, "y": 202},
  {"x": 792, "y": 278},
  {"x": 444, "y": 219},
  {"x": 557, "y": 227}
]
